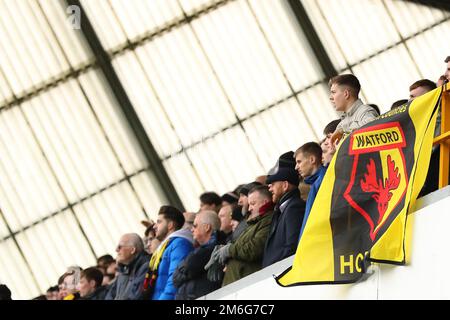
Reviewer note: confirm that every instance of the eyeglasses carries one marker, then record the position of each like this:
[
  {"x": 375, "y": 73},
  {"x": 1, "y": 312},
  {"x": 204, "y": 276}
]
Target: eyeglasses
[{"x": 120, "y": 246}]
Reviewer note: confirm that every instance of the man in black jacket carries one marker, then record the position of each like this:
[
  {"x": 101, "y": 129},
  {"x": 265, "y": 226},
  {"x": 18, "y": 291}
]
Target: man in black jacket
[
  {"x": 190, "y": 277},
  {"x": 289, "y": 210}
]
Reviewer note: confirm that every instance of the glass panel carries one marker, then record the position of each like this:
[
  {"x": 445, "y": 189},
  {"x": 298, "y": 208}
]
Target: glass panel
[
  {"x": 190, "y": 6},
  {"x": 72, "y": 140},
  {"x": 362, "y": 27},
  {"x": 72, "y": 40},
  {"x": 429, "y": 50},
  {"x": 138, "y": 17},
  {"x": 28, "y": 190},
  {"x": 411, "y": 17},
  {"x": 278, "y": 130},
  {"x": 290, "y": 45},
  {"x": 241, "y": 57},
  {"x": 386, "y": 78},
  {"x": 225, "y": 161},
  {"x": 108, "y": 215},
  {"x": 64, "y": 246},
  {"x": 113, "y": 121},
  {"x": 149, "y": 193},
  {"x": 15, "y": 273},
  {"x": 185, "y": 180},
  {"x": 186, "y": 86},
  {"x": 105, "y": 22},
  {"x": 329, "y": 40},
  {"x": 147, "y": 105}
]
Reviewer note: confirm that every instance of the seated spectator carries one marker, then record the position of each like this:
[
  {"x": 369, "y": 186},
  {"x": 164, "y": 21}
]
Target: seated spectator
[
  {"x": 420, "y": 87},
  {"x": 289, "y": 210},
  {"x": 52, "y": 293},
  {"x": 132, "y": 262},
  {"x": 104, "y": 261},
  {"x": 176, "y": 244},
  {"x": 189, "y": 218},
  {"x": 345, "y": 98},
  {"x": 308, "y": 159},
  {"x": 244, "y": 256},
  {"x": 398, "y": 103},
  {"x": 210, "y": 201},
  {"x": 90, "y": 285},
  {"x": 375, "y": 107},
  {"x": 226, "y": 227},
  {"x": 229, "y": 198},
  {"x": 5, "y": 293},
  {"x": 70, "y": 282},
  {"x": 190, "y": 277}
]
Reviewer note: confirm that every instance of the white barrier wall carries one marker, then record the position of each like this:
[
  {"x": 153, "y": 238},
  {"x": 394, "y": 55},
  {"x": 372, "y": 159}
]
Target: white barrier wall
[{"x": 424, "y": 277}]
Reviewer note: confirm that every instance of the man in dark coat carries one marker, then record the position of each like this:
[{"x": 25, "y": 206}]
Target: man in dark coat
[
  {"x": 190, "y": 277},
  {"x": 132, "y": 266},
  {"x": 90, "y": 285},
  {"x": 289, "y": 210}
]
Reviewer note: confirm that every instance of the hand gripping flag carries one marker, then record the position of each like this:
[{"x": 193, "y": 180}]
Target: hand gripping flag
[{"x": 359, "y": 214}]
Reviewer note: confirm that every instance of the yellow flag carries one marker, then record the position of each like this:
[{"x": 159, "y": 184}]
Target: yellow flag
[{"x": 360, "y": 211}]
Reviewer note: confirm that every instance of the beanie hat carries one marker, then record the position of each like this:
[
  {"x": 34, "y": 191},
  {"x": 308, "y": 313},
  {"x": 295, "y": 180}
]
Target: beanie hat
[
  {"x": 284, "y": 170},
  {"x": 247, "y": 187}
]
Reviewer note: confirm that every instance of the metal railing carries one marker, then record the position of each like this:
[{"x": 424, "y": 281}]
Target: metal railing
[{"x": 444, "y": 138}]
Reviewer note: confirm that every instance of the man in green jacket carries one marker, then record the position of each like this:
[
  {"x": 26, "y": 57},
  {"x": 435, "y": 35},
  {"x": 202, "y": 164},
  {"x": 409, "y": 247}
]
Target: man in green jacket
[{"x": 244, "y": 256}]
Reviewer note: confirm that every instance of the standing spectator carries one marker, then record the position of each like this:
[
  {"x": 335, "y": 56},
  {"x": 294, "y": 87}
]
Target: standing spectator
[
  {"x": 210, "y": 201},
  {"x": 190, "y": 276},
  {"x": 289, "y": 210},
  {"x": 132, "y": 262},
  {"x": 243, "y": 203},
  {"x": 345, "y": 98},
  {"x": 447, "y": 70},
  {"x": 175, "y": 245},
  {"x": 308, "y": 159},
  {"x": 420, "y": 87},
  {"x": 90, "y": 285},
  {"x": 244, "y": 256}
]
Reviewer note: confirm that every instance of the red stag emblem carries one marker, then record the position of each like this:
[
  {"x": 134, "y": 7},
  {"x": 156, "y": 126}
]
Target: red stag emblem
[{"x": 382, "y": 192}]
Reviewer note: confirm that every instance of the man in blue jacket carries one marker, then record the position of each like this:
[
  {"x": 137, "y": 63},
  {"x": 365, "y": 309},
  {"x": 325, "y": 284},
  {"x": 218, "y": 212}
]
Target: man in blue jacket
[
  {"x": 308, "y": 163},
  {"x": 289, "y": 210},
  {"x": 176, "y": 244}
]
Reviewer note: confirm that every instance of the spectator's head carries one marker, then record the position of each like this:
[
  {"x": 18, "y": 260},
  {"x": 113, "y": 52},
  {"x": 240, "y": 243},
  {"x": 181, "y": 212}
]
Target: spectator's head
[
  {"x": 225, "y": 219},
  {"x": 375, "y": 107},
  {"x": 236, "y": 217},
  {"x": 243, "y": 195},
  {"x": 327, "y": 153},
  {"x": 129, "y": 246},
  {"x": 308, "y": 159},
  {"x": 283, "y": 177},
  {"x": 331, "y": 127},
  {"x": 189, "y": 218},
  {"x": 447, "y": 70},
  {"x": 104, "y": 261},
  {"x": 441, "y": 81},
  {"x": 170, "y": 219},
  {"x": 229, "y": 198},
  {"x": 90, "y": 280},
  {"x": 258, "y": 197},
  {"x": 210, "y": 201},
  {"x": 107, "y": 279},
  {"x": 206, "y": 222},
  {"x": 5, "y": 293},
  {"x": 70, "y": 281},
  {"x": 344, "y": 91},
  {"x": 150, "y": 241},
  {"x": 398, "y": 103},
  {"x": 52, "y": 293},
  {"x": 420, "y": 87}
]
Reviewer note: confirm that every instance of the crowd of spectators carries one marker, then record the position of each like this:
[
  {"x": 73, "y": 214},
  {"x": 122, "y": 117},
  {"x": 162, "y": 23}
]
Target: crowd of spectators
[{"x": 185, "y": 255}]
